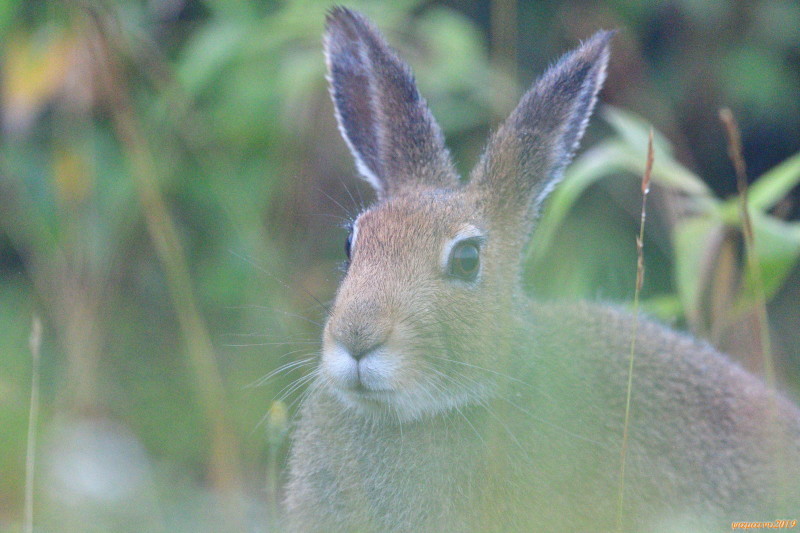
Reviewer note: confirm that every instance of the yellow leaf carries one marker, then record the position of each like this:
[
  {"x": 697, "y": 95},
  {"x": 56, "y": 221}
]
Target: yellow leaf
[{"x": 35, "y": 71}]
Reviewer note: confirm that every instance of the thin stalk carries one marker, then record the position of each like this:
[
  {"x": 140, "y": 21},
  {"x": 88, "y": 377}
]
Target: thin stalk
[
  {"x": 277, "y": 424},
  {"x": 33, "y": 417},
  {"x": 753, "y": 265},
  {"x": 775, "y": 435},
  {"x": 639, "y": 282},
  {"x": 225, "y": 468}
]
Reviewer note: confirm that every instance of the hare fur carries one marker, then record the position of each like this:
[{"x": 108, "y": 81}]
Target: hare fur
[{"x": 447, "y": 400}]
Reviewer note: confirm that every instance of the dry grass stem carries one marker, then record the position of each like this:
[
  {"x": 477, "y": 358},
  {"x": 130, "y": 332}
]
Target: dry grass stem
[
  {"x": 225, "y": 469},
  {"x": 33, "y": 417},
  {"x": 753, "y": 265},
  {"x": 648, "y": 170},
  {"x": 753, "y": 272}
]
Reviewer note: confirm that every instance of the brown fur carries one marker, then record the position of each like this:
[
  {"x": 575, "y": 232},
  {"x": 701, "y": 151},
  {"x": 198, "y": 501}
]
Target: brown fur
[{"x": 449, "y": 404}]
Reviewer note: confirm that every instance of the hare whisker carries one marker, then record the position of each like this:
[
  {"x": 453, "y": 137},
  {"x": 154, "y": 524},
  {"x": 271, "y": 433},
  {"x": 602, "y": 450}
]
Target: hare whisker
[
  {"x": 335, "y": 201},
  {"x": 263, "y": 270},
  {"x": 282, "y": 369}
]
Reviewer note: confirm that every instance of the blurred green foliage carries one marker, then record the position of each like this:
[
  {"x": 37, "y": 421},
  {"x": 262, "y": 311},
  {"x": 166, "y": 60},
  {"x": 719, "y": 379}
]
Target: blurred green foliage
[{"x": 172, "y": 187}]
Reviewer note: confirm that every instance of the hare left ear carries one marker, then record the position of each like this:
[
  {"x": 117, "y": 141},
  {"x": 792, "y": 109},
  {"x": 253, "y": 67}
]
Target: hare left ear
[
  {"x": 525, "y": 158},
  {"x": 384, "y": 120}
]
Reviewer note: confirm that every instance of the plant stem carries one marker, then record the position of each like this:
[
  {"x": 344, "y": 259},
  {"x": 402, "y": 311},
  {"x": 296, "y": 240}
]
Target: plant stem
[
  {"x": 33, "y": 417},
  {"x": 639, "y": 282}
]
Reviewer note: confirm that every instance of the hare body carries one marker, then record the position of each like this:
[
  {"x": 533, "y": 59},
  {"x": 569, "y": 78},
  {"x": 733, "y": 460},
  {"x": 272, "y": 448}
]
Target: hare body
[
  {"x": 445, "y": 400},
  {"x": 709, "y": 444}
]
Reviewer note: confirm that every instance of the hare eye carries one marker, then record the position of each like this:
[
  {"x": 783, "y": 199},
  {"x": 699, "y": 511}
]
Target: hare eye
[
  {"x": 465, "y": 261},
  {"x": 348, "y": 244}
]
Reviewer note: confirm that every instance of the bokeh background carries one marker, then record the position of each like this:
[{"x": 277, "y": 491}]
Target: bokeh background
[{"x": 173, "y": 188}]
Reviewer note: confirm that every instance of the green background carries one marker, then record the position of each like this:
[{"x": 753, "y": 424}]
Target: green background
[{"x": 173, "y": 189}]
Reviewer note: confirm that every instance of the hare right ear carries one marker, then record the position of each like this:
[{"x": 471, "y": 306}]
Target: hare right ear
[
  {"x": 384, "y": 120},
  {"x": 526, "y": 157}
]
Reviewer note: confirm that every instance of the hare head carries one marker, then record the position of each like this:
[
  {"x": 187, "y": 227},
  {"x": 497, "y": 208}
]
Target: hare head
[
  {"x": 423, "y": 319},
  {"x": 445, "y": 400}
]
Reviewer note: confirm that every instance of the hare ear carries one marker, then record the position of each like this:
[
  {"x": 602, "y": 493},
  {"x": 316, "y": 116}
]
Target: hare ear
[
  {"x": 526, "y": 157},
  {"x": 383, "y": 118}
]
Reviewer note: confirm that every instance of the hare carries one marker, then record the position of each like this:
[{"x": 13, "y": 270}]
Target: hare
[{"x": 447, "y": 400}]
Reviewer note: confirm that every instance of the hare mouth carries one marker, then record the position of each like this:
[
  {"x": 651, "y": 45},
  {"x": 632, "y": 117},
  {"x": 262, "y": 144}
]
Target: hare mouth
[
  {"x": 365, "y": 394},
  {"x": 366, "y": 399},
  {"x": 361, "y": 388},
  {"x": 369, "y": 377}
]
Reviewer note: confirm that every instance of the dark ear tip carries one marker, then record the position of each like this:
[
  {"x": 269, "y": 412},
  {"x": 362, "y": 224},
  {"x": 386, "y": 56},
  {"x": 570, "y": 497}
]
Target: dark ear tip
[
  {"x": 336, "y": 13},
  {"x": 340, "y": 16},
  {"x": 598, "y": 44}
]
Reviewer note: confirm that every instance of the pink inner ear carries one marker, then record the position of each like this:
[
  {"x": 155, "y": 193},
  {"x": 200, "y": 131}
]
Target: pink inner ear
[
  {"x": 524, "y": 160},
  {"x": 384, "y": 120}
]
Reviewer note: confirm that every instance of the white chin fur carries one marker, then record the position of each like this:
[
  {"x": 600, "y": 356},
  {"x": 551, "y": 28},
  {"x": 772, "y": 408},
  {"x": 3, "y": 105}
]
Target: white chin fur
[
  {"x": 374, "y": 372},
  {"x": 381, "y": 392}
]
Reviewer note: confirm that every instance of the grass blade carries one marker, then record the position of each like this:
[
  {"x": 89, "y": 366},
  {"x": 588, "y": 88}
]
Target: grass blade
[
  {"x": 753, "y": 264},
  {"x": 33, "y": 417},
  {"x": 639, "y": 282}
]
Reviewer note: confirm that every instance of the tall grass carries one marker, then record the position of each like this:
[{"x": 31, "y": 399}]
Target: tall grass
[
  {"x": 646, "y": 177},
  {"x": 35, "y": 344}
]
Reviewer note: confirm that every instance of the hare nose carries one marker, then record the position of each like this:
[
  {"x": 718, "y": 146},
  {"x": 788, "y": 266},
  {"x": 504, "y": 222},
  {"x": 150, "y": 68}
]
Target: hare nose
[
  {"x": 358, "y": 339},
  {"x": 360, "y": 350}
]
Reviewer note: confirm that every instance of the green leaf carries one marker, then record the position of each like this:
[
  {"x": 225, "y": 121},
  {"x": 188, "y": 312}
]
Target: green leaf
[
  {"x": 207, "y": 54},
  {"x": 665, "y": 307},
  {"x": 767, "y": 191},
  {"x": 777, "y": 248},
  {"x": 775, "y": 184},
  {"x": 634, "y": 130},
  {"x": 609, "y": 158},
  {"x": 691, "y": 240},
  {"x": 8, "y": 11}
]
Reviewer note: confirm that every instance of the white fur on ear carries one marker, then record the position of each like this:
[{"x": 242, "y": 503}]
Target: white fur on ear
[
  {"x": 358, "y": 68},
  {"x": 382, "y": 116},
  {"x": 362, "y": 167},
  {"x": 599, "y": 47},
  {"x": 525, "y": 159},
  {"x": 595, "y": 51},
  {"x": 354, "y": 233}
]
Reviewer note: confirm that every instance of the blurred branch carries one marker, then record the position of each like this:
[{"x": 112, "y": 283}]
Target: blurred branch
[
  {"x": 754, "y": 267},
  {"x": 225, "y": 467},
  {"x": 33, "y": 418}
]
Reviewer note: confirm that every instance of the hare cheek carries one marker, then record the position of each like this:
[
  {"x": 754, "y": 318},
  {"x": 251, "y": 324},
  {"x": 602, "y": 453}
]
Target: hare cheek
[
  {"x": 377, "y": 370},
  {"x": 339, "y": 365}
]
